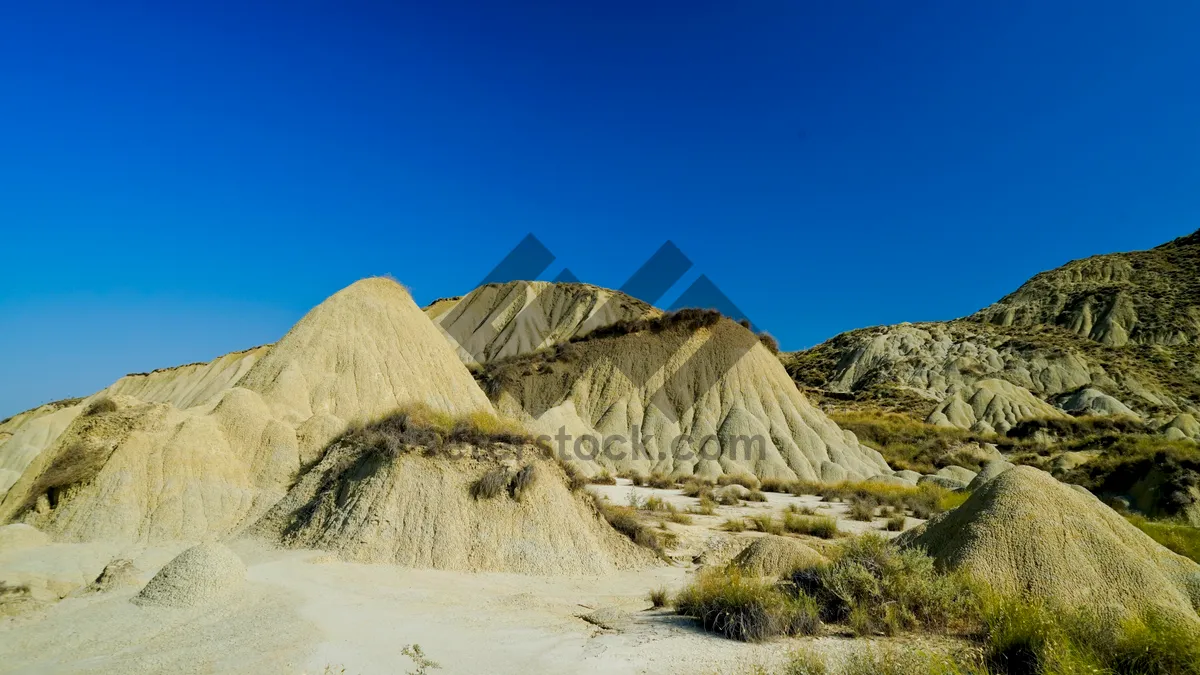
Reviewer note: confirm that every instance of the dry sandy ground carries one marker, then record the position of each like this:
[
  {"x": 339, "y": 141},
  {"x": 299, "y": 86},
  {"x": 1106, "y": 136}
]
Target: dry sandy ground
[{"x": 302, "y": 612}]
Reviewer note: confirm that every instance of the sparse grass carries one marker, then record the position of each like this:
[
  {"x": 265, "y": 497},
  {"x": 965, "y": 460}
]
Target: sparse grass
[
  {"x": 776, "y": 485},
  {"x": 680, "y": 518},
  {"x": 624, "y": 519},
  {"x": 814, "y": 526},
  {"x": 694, "y": 487},
  {"x": 907, "y": 443},
  {"x": 576, "y": 481},
  {"x": 734, "y": 525},
  {"x": 656, "y": 503},
  {"x": 660, "y": 481},
  {"x": 744, "y": 479},
  {"x": 423, "y": 663},
  {"x": 603, "y": 478},
  {"x": 874, "y": 587},
  {"x": 1182, "y": 539},
  {"x": 419, "y": 427},
  {"x": 706, "y": 507},
  {"x": 100, "y": 406},
  {"x": 659, "y": 597},
  {"x": 862, "y": 510},
  {"x": 491, "y": 485},
  {"x": 746, "y": 608},
  {"x": 801, "y": 510},
  {"x": 522, "y": 481},
  {"x": 727, "y": 498},
  {"x": 766, "y": 523},
  {"x": 639, "y": 479},
  {"x": 756, "y": 496}
]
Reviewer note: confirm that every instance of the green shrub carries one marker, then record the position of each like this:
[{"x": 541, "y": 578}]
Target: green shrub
[
  {"x": 756, "y": 496},
  {"x": 694, "y": 487},
  {"x": 862, "y": 510},
  {"x": 815, "y": 526},
  {"x": 638, "y": 479},
  {"x": 875, "y": 587},
  {"x": 746, "y": 608},
  {"x": 896, "y": 523}
]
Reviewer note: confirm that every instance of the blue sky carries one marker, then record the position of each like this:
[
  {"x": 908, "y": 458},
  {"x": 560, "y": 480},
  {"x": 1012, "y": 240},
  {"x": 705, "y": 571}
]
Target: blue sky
[{"x": 184, "y": 179}]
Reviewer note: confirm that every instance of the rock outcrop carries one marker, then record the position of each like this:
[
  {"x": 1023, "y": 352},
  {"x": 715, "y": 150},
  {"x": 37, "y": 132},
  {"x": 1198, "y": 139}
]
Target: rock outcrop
[
  {"x": 502, "y": 320},
  {"x": 1143, "y": 297}
]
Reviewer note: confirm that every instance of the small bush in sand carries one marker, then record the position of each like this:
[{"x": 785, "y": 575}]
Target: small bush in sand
[
  {"x": 767, "y": 524},
  {"x": 660, "y": 481},
  {"x": 638, "y": 479},
  {"x": 801, "y": 510},
  {"x": 769, "y": 342},
  {"x": 746, "y": 608},
  {"x": 423, "y": 663},
  {"x": 680, "y": 518},
  {"x": 491, "y": 484},
  {"x": 776, "y": 485},
  {"x": 603, "y": 478},
  {"x": 744, "y": 479},
  {"x": 813, "y": 526},
  {"x": 100, "y": 406},
  {"x": 727, "y": 498},
  {"x": 706, "y": 507},
  {"x": 522, "y": 481},
  {"x": 659, "y": 597},
  {"x": 800, "y": 488},
  {"x": 656, "y": 503},
  {"x": 862, "y": 510},
  {"x": 734, "y": 525},
  {"x": 896, "y": 523},
  {"x": 694, "y": 487},
  {"x": 756, "y": 496}
]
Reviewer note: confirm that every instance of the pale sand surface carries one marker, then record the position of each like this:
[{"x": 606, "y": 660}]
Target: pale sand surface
[{"x": 304, "y": 612}]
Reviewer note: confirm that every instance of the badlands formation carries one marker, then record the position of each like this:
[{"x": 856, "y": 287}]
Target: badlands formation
[{"x": 385, "y": 476}]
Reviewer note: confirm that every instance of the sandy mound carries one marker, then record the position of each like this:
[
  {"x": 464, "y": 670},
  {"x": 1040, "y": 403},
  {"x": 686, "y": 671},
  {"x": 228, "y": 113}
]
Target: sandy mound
[
  {"x": 1026, "y": 533},
  {"x": 683, "y": 389},
  {"x": 431, "y": 509},
  {"x": 773, "y": 556},
  {"x": 200, "y": 575},
  {"x": 501, "y": 320},
  {"x": 134, "y": 470}
]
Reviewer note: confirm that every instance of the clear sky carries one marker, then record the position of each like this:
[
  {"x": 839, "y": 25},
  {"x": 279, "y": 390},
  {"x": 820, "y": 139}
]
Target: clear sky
[{"x": 182, "y": 179}]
